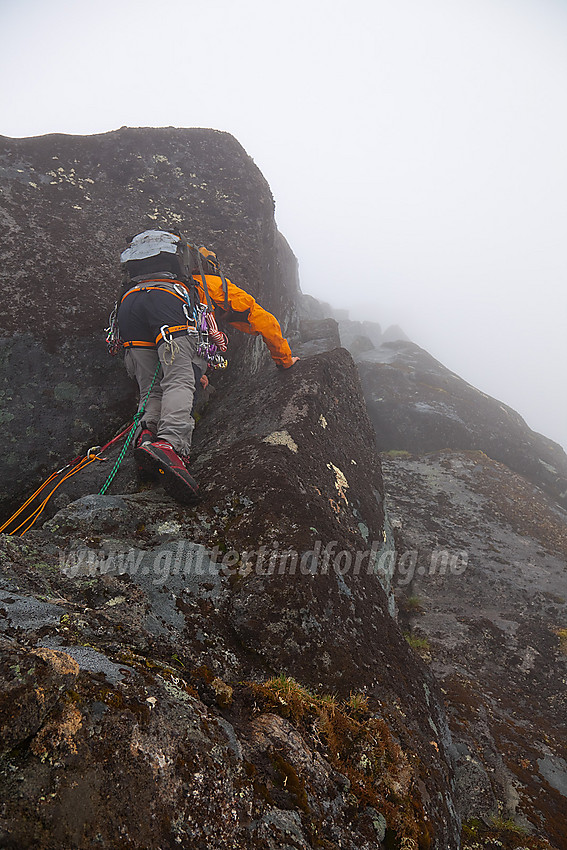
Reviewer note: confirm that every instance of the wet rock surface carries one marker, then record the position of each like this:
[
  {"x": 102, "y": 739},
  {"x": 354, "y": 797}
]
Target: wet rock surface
[
  {"x": 33, "y": 680},
  {"x": 68, "y": 204},
  {"x": 234, "y": 674},
  {"x": 477, "y": 505},
  {"x": 166, "y": 617},
  {"x": 418, "y": 405},
  {"x": 228, "y": 674},
  {"x": 483, "y": 595}
]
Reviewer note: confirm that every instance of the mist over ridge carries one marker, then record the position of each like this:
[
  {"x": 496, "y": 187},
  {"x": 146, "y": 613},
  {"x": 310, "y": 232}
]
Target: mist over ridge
[
  {"x": 521, "y": 377},
  {"x": 415, "y": 151}
]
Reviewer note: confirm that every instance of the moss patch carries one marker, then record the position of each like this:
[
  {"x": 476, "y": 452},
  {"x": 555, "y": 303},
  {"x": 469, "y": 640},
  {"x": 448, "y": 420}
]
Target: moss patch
[
  {"x": 360, "y": 746},
  {"x": 500, "y": 833}
]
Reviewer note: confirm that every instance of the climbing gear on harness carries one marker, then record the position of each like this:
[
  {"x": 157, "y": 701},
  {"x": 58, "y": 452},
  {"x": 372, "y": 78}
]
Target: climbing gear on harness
[
  {"x": 205, "y": 347},
  {"x": 199, "y": 321},
  {"x": 170, "y": 346},
  {"x": 113, "y": 341},
  {"x": 198, "y": 325}
]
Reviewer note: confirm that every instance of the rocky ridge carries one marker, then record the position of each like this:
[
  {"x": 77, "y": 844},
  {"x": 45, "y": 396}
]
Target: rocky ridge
[
  {"x": 477, "y": 502},
  {"x": 251, "y": 702},
  {"x": 225, "y": 675}
]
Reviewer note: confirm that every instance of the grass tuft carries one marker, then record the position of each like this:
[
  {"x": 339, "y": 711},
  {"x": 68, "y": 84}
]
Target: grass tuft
[
  {"x": 507, "y": 825},
  {"x": 418, "y": 643},
  {"x": 412, "y": 605},
  {"x": 358, "y": 702},
  {"x": 360, "y": 746},
  {"x": 562, "y": 635}
]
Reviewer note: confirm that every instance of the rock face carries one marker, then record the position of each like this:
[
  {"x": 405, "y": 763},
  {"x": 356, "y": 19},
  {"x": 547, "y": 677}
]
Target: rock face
[
  {"x": 477, "y": 502},
  {"x": 225, "y": 675},
  {"x": 70, "y": 203},
  {"x": 237, "y": 674},
  {"x": 416, "y": 404},
  {"x": 153, "y": 623},
  {"x": 67, "y": 207},
  {"x": 484, "y": 593}
]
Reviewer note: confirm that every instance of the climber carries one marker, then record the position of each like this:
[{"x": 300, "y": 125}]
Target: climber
[{"x": 165, "y": 318}]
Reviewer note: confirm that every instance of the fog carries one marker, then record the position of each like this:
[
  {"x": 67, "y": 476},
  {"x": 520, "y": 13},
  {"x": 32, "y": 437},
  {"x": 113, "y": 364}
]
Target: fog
[{"x": 416, "y": 150}]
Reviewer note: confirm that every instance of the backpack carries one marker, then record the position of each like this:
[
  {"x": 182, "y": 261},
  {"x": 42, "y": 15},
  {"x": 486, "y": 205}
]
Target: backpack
[
  {"x": 156, "y": 251},
  {"x": 167, "y": 252}
]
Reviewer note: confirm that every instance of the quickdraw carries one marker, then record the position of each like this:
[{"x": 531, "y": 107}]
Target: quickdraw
[
  {"x": 113, "y": 342},
  {"x": 170, "y": 346},
  {"x": 205, "y": 348},
  {"x": 196, "y": 316}
]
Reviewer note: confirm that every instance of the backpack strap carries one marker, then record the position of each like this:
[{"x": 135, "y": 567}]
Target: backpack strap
[
  {"x": 186, "y": 261},
  {"x": 212, "y": 259},
  {"x": 208, "y": 300}
]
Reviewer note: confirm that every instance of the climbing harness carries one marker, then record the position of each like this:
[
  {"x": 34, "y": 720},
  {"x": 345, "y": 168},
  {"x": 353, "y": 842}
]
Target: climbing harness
[{"x": 198, "y": 317}]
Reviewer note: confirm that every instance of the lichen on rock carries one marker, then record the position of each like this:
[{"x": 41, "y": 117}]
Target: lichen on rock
[{"x": 161, "y": 628}]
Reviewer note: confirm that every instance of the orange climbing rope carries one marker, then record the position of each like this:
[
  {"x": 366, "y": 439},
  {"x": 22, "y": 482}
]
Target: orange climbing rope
[{"x": 76, "y": 465}]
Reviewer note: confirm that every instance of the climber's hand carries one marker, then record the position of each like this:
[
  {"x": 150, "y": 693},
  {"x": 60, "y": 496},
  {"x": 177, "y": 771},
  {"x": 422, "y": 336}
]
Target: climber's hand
[
  {"x": 204, "y": 382},
  {"x": 281, "y": 365}
]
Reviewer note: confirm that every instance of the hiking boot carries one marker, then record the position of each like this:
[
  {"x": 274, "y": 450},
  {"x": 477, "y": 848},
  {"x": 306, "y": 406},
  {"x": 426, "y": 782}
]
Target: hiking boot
[
  {"x": 145, "y": 475},
  {"x": 145, "y": 436},
  {"x": 161, "y": 458}
]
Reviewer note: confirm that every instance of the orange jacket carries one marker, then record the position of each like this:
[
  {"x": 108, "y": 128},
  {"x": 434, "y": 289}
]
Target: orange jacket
[{"x": 246, "y": 315}]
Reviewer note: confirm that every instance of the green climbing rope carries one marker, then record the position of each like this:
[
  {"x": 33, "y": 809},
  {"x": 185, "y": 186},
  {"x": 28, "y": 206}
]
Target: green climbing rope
[{"x": 131, "y": 433}]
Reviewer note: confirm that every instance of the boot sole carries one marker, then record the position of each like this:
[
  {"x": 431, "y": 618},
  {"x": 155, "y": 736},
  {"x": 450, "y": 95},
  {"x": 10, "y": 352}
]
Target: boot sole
[{"x": 177, "y": 483}]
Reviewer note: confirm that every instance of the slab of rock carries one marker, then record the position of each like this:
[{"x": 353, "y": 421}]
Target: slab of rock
[
  {"x": 482, "y": 591},
  {"x": 32, "y": 682},
  {"x": 417, "y": 405},
  {"x": 68, "y": 205}
]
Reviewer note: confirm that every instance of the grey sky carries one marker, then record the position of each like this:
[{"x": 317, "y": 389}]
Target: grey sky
[{"x": 415, "y": 149}]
